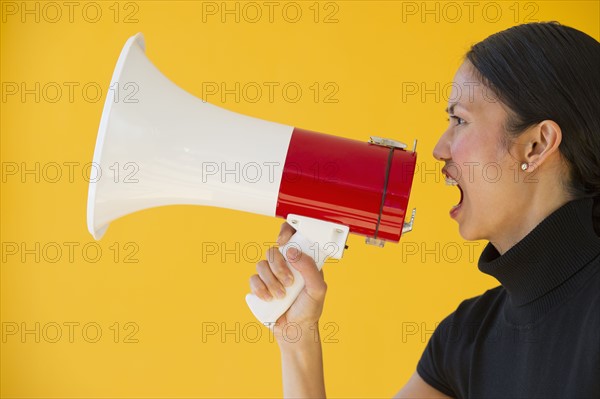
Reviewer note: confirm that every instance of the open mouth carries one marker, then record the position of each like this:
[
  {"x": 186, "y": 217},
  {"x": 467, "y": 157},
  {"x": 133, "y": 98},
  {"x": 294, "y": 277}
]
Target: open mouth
[{"x": 450, "y": 181}]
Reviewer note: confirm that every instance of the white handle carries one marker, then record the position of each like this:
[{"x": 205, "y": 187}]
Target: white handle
[{"x": 267, "y": 312}]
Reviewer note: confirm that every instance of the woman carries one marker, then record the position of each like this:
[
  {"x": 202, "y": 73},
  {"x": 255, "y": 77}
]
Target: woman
[{"x": 528, "y": 101}]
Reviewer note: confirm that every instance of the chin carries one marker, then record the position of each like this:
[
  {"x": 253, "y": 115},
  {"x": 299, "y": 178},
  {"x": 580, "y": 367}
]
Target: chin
[{"x": 469, "y": 234}]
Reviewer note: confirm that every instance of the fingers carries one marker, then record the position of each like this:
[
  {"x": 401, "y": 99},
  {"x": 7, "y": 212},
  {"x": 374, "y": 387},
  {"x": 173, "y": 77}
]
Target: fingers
[
  {"x": 273, "y": 273},
  {"x": 266, "y": 274},
  {"x": 279, "y": 267},
  {"x": 285, "y": 233},
  {"x": 258, "y": 288},
  {"x": 313, "y": 277}
]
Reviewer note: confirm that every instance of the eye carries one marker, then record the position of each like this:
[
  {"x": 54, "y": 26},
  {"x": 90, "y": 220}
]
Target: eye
[{"x": 459, "y": 121}]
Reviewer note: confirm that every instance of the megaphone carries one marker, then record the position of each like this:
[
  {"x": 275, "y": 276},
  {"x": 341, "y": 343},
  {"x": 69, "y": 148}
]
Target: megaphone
[{"x": 178, "y": 149}]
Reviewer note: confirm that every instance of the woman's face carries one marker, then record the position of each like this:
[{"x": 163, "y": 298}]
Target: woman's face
[{"x": 477, "y": 159}]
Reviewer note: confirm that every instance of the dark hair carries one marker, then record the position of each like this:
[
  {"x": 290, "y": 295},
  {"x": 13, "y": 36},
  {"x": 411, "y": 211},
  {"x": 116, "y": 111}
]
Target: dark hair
[{"x": 548, "y": 71}]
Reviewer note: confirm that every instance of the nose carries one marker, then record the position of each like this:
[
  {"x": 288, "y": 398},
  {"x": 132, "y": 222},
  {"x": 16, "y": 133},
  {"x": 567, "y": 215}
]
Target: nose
[{"x": 441, "y": 151}]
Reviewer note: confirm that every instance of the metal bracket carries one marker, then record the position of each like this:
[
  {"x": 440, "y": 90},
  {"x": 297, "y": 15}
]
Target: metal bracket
[
  {"x": 409, "y": 226},
  {"x": 387, "y": 142},
  {"x": 375, "y": 241}
]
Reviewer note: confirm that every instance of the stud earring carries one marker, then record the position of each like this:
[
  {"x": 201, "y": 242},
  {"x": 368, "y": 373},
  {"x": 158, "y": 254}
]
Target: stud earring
[{"x": 524, "y": 166}]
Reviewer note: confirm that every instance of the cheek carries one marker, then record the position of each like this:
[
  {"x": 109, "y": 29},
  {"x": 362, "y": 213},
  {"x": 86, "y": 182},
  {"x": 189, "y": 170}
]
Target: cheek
[
  {"x": 479, "y": 159},
  {"x": 467, "y": 155}
]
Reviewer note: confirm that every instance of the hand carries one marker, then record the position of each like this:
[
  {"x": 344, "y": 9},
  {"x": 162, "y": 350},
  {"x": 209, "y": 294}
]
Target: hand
[{"x": 273, "y": 274}]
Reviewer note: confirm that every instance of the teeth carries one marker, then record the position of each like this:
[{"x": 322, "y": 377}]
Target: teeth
[{"x": 451, "y": 182}]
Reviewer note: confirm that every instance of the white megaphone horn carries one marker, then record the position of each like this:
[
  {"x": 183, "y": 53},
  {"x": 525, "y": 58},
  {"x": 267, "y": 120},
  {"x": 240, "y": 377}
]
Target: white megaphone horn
[{"x": 173, "y": 148}]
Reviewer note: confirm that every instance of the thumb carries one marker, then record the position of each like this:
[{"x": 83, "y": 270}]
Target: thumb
[{"x": 313, "y": 278}]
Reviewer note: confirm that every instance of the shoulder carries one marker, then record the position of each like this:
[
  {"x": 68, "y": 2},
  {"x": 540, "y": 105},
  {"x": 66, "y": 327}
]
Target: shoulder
[
  {"x": 586, "y": 300},
  {"x": 484, "y": 300},
  {"x": 475, "y": 308},
  {"x": 449, "y": 348},
  {"x": 461, "y": 326}
]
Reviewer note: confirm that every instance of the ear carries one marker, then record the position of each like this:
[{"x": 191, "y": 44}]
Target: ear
[{"x": 540, "y": 142}]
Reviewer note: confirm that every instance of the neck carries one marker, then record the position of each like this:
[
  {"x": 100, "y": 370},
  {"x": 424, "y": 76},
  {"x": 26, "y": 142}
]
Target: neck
[
  {"x": 547, "y": 265},
  {"x": 533, "y": 207}
]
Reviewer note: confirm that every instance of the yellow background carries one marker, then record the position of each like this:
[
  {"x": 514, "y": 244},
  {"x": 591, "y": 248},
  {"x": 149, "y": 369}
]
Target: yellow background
[{"x": 382, "y": 304}]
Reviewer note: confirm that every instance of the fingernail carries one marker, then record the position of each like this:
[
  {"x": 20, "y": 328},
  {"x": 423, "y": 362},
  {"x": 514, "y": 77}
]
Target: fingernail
[
  {"x": 292, "y": 253},
  {"x": 279, "y": 293},
  {"x": 267, "y": 297},
  {"x": 287, "y": 280}
]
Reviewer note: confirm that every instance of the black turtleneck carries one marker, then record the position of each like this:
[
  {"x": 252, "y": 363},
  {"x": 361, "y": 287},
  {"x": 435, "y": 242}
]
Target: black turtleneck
[{"x": 538, "y": 334}]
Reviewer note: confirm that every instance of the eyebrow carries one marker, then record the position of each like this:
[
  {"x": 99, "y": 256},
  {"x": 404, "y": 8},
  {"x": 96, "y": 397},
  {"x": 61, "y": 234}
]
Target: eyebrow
[{"x": 450, "y": 109}]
